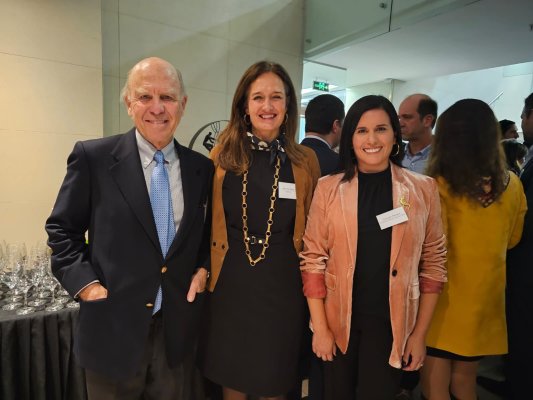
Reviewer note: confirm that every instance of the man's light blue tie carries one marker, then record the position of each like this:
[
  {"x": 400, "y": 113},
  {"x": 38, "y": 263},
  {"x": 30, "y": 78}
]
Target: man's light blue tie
[{"x": 161, "y": 201}]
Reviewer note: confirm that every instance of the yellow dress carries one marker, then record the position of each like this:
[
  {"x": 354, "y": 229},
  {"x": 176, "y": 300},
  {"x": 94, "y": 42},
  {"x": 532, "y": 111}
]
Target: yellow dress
[{"x": 469, "y": 319}]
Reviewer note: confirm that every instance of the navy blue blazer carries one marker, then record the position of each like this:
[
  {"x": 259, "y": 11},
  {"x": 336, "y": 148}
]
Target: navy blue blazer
[
  {"x": 327, "y": 158},
  {"x": 519, "y": 266},
  {"x": 104, "y": 193}
]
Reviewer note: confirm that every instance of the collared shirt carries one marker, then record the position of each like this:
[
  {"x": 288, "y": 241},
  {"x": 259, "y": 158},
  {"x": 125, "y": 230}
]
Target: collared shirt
[
  {"x": 172, "y": 164},
  {"x": 318, "y": 138},
  {"x": 416, "y": 162}
]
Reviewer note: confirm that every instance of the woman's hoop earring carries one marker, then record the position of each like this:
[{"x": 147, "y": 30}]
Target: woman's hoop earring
[
  {"x": 244, "y": 118},
  {"x": 397, "y": 150},
  {"x": 286, "y": 118}
]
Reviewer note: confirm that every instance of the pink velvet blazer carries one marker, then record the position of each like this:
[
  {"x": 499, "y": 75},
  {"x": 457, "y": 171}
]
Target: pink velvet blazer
[{"x": 417, "y": 260}]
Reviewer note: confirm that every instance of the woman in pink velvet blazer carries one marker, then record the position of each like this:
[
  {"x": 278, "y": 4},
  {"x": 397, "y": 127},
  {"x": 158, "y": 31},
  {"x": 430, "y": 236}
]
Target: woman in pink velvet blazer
[{"x": 371, "y": 289}]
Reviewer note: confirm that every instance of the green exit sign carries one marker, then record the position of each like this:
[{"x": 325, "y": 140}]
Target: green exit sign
[{"x": 322, "y": 86}]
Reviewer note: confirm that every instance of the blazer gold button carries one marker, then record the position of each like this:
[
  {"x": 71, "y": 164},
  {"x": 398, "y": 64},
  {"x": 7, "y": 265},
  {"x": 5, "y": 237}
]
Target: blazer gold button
[
  {"x": 149, "y": 305},
  {"x": 164, "y": 269}
]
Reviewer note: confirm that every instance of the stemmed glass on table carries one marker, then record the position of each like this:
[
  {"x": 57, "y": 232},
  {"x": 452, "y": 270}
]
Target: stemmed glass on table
[
  {"x": 25, "y": 285},
  {"x": 39, "y": 261},
  {"x": 10, "y": 274},
  {"x": 55, "y": 304},
  {"x": 21, "y": 271}
]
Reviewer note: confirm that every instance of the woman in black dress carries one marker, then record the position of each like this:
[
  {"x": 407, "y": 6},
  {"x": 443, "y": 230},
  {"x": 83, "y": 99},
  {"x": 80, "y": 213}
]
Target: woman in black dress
[{"x": 262, "y": 191}]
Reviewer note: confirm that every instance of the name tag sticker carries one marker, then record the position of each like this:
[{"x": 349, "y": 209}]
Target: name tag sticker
[
  {"x": 287, "y": 190},
  {"x": 391, "y": 218}
]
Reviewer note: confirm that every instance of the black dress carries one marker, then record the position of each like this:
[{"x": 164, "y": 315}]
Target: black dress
[{"x": 255, "y": 315}]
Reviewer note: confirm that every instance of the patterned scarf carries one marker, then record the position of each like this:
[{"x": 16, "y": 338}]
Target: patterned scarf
[
  {"x": 276, "y": 147},
  {"x": 483, "y": 191}
]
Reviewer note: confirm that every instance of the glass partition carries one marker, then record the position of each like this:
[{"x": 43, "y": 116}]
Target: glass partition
[{"x": 330, "y": 25}]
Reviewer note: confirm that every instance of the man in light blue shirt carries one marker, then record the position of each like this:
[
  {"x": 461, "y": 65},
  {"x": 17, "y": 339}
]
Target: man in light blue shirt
[
  {"x": 143, "y": 200},
  {"x": 418, "y": 114}
]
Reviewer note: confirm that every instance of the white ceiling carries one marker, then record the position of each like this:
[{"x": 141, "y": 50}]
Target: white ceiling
[{"x": 485, "y": 34}]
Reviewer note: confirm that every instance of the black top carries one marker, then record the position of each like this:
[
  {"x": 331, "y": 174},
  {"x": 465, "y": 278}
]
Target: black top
[{"x": 371, "y": 278}]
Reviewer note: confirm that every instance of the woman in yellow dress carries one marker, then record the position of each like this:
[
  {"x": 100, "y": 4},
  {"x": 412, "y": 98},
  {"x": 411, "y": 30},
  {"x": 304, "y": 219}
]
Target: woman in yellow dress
[{"x": 483, "y": 207}]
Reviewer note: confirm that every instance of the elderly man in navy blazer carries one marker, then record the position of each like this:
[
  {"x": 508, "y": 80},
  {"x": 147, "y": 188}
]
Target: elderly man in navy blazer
[{"x": 140, "y": 282}]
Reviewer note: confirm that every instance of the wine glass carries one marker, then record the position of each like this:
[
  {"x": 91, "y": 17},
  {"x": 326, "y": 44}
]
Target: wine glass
[
  {"x": 54, "y": 304},
  {"x": 25, "y": 284},
  {"x": 36, "y": 274},
  {"x": 73, "y": 304},
  {"x": 44, "y": 291},
  {"x": 3, "y": 261},
  {"x": 16, "y": 255},
  {"x": 10, "y": 277}
]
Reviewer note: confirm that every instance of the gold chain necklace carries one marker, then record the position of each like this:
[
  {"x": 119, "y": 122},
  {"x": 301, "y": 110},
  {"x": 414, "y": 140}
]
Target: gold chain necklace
[{"x": 252, "y": 239}]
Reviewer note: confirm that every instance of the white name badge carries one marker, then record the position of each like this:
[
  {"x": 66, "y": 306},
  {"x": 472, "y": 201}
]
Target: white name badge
[
  {"x": 287, "y": 190},
  {"x": 391, "y": 218}
]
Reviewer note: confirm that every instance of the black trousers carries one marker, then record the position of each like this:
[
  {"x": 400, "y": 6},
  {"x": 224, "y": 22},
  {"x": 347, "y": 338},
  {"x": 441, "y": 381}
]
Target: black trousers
[
  {"x": 410, "y": 380},
  {"x": 154, "y": 380},
  {"x": 363, "y": 373},
  {"x": 316, "y": 379}
]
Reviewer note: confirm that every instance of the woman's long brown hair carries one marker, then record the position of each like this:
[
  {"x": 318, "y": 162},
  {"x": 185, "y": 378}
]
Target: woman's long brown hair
[
  {"x": 235, "y": 153},
  {"x": 466, "y": 148}
]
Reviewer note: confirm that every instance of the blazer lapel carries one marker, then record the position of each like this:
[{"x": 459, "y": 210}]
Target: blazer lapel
[
  {"x": 189, "y": 177},
  {"x": 400, "y": 197},
  {"x": 348, "y": 193},
  {"x": 526, "y": 173},
  {"x": 128, "y": 175}
]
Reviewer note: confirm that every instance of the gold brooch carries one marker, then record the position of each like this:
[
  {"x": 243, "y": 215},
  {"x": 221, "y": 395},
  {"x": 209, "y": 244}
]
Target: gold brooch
[{"x": 404, "y": 202}]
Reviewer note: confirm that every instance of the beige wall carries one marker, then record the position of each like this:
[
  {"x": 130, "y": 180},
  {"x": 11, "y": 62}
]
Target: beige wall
[
  {"x": 63, "y": 62},
  {"x": 212, "y": 42},
  {"x": 51, "y": 85}
]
